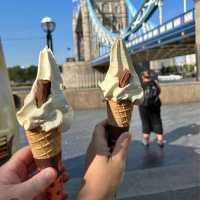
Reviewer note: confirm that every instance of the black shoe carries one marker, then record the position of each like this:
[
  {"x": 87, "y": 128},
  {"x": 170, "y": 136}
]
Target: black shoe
[
  {"x": 146, "y": 143},
  {"x": 161, "y": 144}
]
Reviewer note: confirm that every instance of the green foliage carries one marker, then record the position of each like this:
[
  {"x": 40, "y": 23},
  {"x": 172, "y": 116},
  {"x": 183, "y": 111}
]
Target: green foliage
[
  {"x": 185, "y": 70},
  {"x": 189, "y": 68},
  {"x": 19, "y": 74},
  {"x": 24, "y": 75}
]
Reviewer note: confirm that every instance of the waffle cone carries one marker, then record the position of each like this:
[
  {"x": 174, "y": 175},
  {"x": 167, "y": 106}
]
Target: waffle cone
[
  {"x": 119, "y": 117},
  {"x": 119, "y": 113},
  {"x": 46, "y": 149},
  {"x": 44, "y": 144}
]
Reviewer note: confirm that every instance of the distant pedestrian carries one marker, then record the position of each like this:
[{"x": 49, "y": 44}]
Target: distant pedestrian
[{"x": 150, "y": 110}]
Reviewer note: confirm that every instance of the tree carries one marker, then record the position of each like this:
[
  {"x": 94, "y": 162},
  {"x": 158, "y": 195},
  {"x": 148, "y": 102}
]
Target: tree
[
  {"x": 30, "y": 73},
  {"x": 19, "y": 74},
  {"x": 16, "y": 74}
]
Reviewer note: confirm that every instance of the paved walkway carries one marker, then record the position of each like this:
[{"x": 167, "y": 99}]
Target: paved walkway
[{"x": 150, "y": 175}]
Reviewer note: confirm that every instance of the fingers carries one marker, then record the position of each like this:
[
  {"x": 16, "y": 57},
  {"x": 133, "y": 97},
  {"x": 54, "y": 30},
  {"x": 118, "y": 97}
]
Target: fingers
[
  {"x": 65, "y": 177},
  {"x": 37, "y": 184},
  {"x": 23, "y": 156},
  {"x": 121, "y": 147},
  {"x": 99, "y": 142},
  {"x": 65, "y": 196},
  {"x": 32, "y": 169},
  {"x": 44, "y": 196},
  {"x": 100, "y": 129},
  {"x": 104, "y": 123},
  {"x": 89, "y": 156},
  {"x": 98, "y": 145},
  {"x": 65, "y": 174},
  {"x": 20, "y": 162}
]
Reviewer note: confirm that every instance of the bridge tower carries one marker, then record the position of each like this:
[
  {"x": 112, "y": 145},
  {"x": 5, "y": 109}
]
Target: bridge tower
[
  {"x": 80, "y": 73},
  {"x": 197, "y": 28},
  {"x": 112, "y": 14}
]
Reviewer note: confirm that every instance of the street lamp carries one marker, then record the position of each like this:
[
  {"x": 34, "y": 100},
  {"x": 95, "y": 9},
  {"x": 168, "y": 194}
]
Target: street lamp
[{"x": 48, "y": 26}]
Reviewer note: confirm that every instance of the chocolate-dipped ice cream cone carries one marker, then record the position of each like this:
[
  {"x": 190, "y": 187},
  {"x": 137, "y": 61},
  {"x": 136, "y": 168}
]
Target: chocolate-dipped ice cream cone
[
  {"x": 42, "y": 118},
  {"x": 122, "y": 90}
]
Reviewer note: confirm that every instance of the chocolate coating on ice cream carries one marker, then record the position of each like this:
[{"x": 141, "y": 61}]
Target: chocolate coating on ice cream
[
  {"x": 113, "y": 133},
  {"x": 124, "y": 79},
  {"x": 121, "y": 81},
  {"x": 43, "y": 92},
  {"x": 46, "y": 105}
]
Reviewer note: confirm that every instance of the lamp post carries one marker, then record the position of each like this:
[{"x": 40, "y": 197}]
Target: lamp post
[{"x": 48, "y": 26}]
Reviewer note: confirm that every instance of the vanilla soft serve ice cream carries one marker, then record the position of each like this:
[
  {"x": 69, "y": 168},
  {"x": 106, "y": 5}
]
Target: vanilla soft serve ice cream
[
  {"x": 120, "y": 62},
  {"x": 56, "y": 111}
]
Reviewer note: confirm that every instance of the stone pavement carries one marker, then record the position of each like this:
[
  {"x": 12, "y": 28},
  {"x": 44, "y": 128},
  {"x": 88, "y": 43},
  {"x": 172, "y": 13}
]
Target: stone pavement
[{"x": 153, "y": 174}]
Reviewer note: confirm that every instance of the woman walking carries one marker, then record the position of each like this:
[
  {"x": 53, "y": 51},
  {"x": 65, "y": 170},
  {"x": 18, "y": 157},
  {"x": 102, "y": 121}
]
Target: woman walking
[{"x": 150, "y": 109}]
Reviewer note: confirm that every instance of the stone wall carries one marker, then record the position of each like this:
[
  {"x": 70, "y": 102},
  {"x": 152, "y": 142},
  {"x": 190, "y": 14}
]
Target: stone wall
[
  {"x": 180, "y": 93},
  {"x": 81, "y": 75},
  {"x": 85, "y": 98},
  {"x": 91, "y": 98},
  {"x": 171, "y": 94}
]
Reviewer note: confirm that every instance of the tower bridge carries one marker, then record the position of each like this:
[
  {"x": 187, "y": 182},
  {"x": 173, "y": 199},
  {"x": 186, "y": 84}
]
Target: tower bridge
[
  {"x": 97, "y": 23},
  {"x": 173, "y": 38},
  {"x": 92, "y": 42}
]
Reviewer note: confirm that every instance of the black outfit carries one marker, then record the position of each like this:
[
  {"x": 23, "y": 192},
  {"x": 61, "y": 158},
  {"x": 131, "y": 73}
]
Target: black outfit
[{"x": 151, "y": 114}]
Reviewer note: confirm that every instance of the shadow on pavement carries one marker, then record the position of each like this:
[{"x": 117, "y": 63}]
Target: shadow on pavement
[
  {"x": 186, "y": 194},
  {"x": 189, "y": 130},
  {"x": 140, "y": 157},
  {"x": 179, "y": 149}
]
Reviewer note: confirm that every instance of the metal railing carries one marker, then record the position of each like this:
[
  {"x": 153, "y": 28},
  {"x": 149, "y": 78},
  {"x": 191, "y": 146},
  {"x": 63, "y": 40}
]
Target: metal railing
[
  {"x": 169, "y": 26},
  {"x": 166, "y": 27}
]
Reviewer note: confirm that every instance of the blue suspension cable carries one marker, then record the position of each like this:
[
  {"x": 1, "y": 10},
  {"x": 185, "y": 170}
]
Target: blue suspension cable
[
  {"x": 133, "y": 12},
  {"x": 131, "y": 8},
  {"x": 145, "y": 12},
  {"x": 101, "y": 30}
]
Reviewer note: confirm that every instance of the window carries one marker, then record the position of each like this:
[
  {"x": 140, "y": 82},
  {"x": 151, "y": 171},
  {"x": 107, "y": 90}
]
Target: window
[
  {"x": 116, "y": 9},
  {"x": 105, "y": 8}
]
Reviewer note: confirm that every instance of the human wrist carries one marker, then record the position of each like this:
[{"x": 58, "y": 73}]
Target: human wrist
[
  {"x": 87, "y": 195},
  {"x": 90, "y": 191}
]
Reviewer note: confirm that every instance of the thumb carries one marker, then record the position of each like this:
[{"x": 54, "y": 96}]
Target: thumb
[
  {"x": 37, "y": 184},
  {"x": 121, "y": 147}
]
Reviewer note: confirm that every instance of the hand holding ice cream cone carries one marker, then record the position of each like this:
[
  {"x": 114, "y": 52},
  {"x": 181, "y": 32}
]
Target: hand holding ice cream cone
[
  {"x": 42, "y": 117},
  {"x": 122, "y": 90}
]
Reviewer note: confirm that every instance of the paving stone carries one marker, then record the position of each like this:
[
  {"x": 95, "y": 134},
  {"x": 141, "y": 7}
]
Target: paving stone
[{"x": 150, "y": 174}]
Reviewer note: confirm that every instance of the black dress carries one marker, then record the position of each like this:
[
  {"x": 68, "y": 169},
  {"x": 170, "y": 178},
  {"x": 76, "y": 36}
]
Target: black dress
[{"x": 151, "y": 114}]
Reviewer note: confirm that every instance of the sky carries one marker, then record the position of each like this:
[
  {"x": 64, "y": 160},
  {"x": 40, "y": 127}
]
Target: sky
[{"x": 23, "y": 38}]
